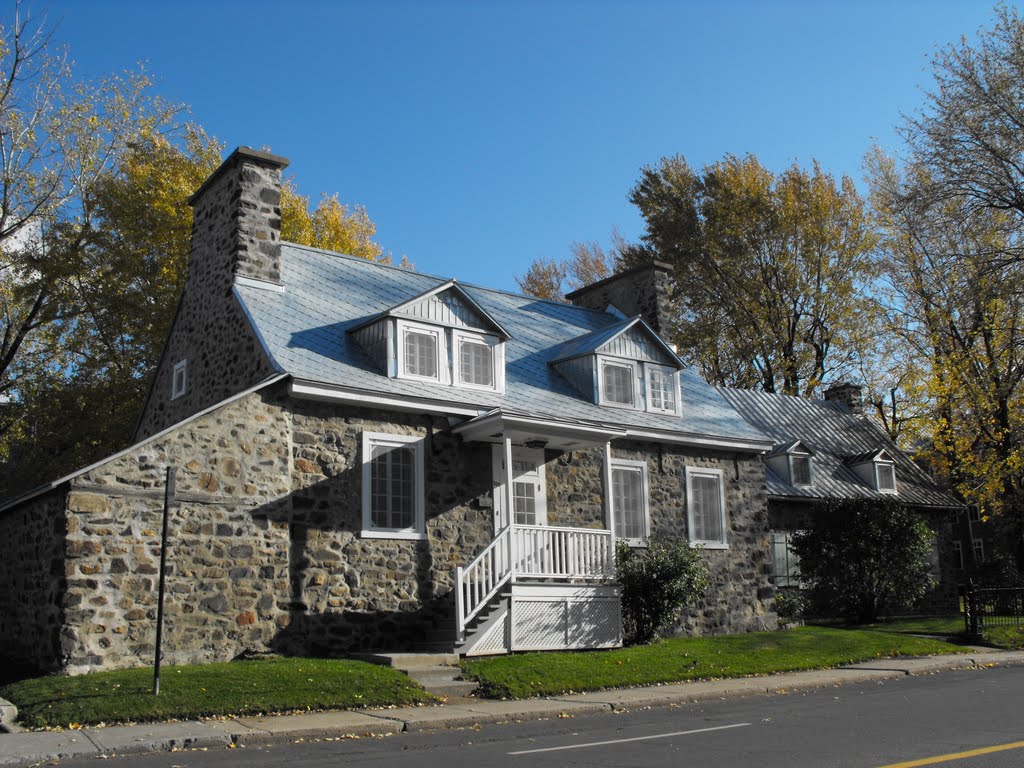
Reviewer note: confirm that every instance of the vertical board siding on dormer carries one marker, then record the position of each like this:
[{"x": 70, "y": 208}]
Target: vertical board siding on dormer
[
  {"x": 579, "y": 371},
  {"x": 445, "y": 309},
  {"x": 374, "y": 341},
  {"x": 635, "y": 345}
]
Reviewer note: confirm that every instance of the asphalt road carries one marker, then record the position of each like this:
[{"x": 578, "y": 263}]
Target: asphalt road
[{"x": 921, "y": 719}]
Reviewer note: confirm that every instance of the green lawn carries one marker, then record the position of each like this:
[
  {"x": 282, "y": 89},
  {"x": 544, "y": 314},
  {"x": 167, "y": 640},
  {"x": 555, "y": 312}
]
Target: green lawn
[
  {"x": 233, "y": 688},
  {"x": 1011, "y": 638},
  {"x": 690, "y": 658},
  {"x": 949, "y": 626}
]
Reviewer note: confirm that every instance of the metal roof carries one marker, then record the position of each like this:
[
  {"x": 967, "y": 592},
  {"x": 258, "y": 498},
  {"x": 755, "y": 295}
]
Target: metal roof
[
  {"x": 589, "y": 343},
  {"x": 833, "y": 434},
  {"x": 305, "y": 331}
]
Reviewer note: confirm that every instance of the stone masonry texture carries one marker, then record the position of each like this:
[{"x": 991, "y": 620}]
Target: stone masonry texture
[
  {"x": 645, "y": 290},
  {"x": 266, "y": 551}
]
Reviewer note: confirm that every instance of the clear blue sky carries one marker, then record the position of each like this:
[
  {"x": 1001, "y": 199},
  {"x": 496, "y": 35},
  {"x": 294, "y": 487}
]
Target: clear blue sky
[{"x": 481, "y": 135}]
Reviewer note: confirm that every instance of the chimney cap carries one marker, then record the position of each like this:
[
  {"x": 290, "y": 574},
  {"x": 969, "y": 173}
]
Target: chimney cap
[{"x": 254, "y": 155}]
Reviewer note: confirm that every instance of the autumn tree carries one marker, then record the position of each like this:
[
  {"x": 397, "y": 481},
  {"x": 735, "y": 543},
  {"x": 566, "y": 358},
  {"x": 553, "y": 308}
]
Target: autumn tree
[
  {"x": 770, "y": 269},
  {"x": 588, "y": 262},
  {"x": 332, "y": 225}
]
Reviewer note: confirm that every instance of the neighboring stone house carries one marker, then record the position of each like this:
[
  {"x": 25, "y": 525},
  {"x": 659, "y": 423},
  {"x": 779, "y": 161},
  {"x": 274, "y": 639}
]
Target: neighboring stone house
[
  {"x": 369, "y": 458},
  {"x": 828, "y": 449}
]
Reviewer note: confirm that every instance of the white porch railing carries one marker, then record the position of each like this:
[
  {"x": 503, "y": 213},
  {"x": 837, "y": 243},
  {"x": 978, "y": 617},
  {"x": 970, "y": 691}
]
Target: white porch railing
[{"x": 531, "y": 551}]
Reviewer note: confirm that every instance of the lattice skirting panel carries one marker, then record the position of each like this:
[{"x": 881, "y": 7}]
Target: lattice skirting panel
[{"x": 568, "y": 620}]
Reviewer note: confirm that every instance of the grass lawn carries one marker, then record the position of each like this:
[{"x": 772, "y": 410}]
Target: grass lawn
[
  {"x": 233, "y": 688},
  {"x": 1011, "y": 638},
  {"x": 690, "y": 658},
  {"x": 942, "y": 625}
]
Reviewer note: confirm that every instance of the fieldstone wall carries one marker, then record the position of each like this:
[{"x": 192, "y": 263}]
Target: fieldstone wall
[
  {"x": 32, "y": 574},
  {"x": 741, "y": 595},
  {"x": 236, "y": 229},
  {"x": 645, "y": 290},
  {"x": 353, "y": 593}
]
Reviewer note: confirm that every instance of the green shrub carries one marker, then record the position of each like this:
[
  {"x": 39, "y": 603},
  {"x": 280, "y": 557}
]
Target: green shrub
[
  {"x": 863, "y": 556},
  {"x": 790, "y": 605},
  {"x": 657, "y": 582}
]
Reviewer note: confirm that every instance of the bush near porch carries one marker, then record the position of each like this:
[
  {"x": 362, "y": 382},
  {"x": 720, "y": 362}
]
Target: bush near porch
[{"x": 690, "y": 658}]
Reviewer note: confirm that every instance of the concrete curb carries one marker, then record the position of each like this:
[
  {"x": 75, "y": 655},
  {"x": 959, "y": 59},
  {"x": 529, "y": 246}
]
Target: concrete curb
[
  {"x": 8, "y": 714},
  {"x": 28, "y": 748}
]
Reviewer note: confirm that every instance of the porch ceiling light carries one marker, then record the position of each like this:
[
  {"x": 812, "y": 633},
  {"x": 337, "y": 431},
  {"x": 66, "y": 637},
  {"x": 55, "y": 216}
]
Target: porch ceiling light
[{"x": 536, "y": 443}]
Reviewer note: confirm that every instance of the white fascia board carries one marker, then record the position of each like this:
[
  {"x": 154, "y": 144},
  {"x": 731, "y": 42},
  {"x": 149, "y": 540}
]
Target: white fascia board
[
  {"x": 311, "y": 391},
  {"x": 681, "y": 438},
  {"x": 496, "y": 420}
]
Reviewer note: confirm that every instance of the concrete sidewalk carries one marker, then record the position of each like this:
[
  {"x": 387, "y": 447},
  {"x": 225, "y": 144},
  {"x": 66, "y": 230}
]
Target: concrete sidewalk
[{"x": 28, "y": 748}]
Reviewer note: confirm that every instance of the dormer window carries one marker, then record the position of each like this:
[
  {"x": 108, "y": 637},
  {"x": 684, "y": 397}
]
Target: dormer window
[
  {"x": 877, "y": 469},
  {"x": 441, "y": 336},
  {"x": 616, "y": 386},
  {"x": 800, "y": 468},
  {"x": 885, "y": 474},
  {"x": 662, "y": 386},
  {"x": 793, "y": 463},
  {"x": 421, "y": 352}
]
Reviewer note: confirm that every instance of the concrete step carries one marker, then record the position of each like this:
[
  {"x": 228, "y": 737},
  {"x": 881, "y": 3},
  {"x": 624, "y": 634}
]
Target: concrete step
[
  {"x": 408, "y": 661},
  {"x": 458, "y": 688}
]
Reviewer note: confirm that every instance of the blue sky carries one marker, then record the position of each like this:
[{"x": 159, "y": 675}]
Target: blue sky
[{"x": 482, "y": 135}]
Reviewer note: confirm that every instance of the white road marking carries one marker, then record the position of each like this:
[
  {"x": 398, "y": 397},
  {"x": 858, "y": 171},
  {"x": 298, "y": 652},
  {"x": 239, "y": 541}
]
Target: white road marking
[{"x": 623, "y": 741}]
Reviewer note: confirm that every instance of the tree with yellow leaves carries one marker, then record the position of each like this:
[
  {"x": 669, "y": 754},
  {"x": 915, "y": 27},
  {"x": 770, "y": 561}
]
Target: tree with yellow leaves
[{"x": 770, "y": 270}]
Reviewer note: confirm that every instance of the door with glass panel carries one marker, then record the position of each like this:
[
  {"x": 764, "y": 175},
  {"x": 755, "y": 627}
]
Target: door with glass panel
[{"x": 529, "y": 497}]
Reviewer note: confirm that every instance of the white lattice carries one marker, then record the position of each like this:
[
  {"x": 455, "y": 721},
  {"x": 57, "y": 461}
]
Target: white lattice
[
  {"x": 594, "y": 623},
  {"x": 538, "y": 624},
  {"x": 494, "y": 640}
]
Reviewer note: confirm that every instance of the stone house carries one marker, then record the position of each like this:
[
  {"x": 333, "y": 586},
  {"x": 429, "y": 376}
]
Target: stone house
[
  {"x": 827, "y": 449},
  {"x": 369, "y": 458}
]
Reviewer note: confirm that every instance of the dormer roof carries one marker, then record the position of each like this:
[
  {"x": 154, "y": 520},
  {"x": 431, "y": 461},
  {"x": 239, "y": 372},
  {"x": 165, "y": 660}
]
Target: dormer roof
[
  {"x": 445, "y": 304},
  {"x": 631, "y": 338},
  {"x": 793, "y": 446}
]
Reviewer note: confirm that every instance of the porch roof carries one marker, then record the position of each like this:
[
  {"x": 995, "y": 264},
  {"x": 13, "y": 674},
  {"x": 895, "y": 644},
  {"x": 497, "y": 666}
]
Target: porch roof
[{"x": 523, "y": 429}]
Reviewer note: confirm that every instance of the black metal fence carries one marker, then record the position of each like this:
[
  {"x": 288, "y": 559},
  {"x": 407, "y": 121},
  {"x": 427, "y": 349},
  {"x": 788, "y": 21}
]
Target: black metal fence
[{"x": 991, "y": 607}]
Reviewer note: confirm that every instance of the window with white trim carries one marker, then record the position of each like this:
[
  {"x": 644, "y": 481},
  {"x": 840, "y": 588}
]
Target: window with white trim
[
  {"x": 616, "y": 383},
  {"x": 705, "y": 507},
  {"x": 421, "y": 352},
  {"x": 800, "y": 468},
  {"x": 958, "y": 551},
  {"x": 885, "y": 477},
  {"x": 662, "y": 385},
  {"x": 630, "y": 507},
  {"x": 179, "y": 379},
  {"x": 979, "y": 551},
  {"x": 477, "y": 357},
  {"x": 785, "y": 562},
  {"x": 393, "y": 492}
]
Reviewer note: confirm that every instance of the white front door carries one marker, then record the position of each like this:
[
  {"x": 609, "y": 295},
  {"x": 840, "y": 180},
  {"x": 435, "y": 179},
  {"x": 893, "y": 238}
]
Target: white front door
[{"x": 529, "y": 495}]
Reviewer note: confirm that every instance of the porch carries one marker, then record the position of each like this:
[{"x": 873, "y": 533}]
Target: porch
[{"x": 538, "y": 586}]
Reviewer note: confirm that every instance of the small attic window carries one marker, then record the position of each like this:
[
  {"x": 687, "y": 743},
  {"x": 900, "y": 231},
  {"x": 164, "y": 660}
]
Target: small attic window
[
  {"x": 885, "y": 476},
  {"x": 617, "y": 383},
  {"x": 179, "y": 379},
  {"x": 800, "y": 468}
]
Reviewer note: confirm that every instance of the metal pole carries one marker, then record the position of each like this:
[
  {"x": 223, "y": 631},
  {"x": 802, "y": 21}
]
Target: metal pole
[{"x": 168, "y": 500}]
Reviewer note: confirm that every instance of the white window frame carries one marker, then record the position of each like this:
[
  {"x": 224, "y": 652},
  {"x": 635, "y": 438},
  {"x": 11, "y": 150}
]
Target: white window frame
[
  {"x": 810, "y": 469},
  {"x": 978, "y": 551},
  {"x": 438, "y": 332},
  {"x": 180, "y": 369},
  {"x": 497, "y": 347},
  {"x": 691, "y": 473},
  {"x": 632, "y": 365},
  {"x": 631, "y": 465},
  {"x": 878, "y": 479},
  {"x": 673, "y": 378},
  {"x": 418, "y": 531},
  {"x": 958, "y": 552}
]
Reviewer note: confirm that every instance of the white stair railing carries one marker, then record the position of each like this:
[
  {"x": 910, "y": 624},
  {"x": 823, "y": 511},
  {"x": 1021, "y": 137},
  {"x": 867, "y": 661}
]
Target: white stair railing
[
  {"x": 479, "y": 581},
  {"x": 531, "y": 551}
]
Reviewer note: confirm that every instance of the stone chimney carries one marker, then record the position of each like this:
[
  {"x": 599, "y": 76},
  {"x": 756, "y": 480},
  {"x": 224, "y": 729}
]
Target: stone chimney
[
  {"x": 847, "y": 394},
  {"x": 644, "y": 290},
  {"x": 236, "y": 224}
]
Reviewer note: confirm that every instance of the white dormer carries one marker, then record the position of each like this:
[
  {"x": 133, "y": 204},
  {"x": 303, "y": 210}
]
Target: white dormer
[
  {"x": 626, "y": 365},
  {"x": 794, "y": 463},
  {"x": 441, "y": 336},
  {"x": 876, "y": 468}
]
